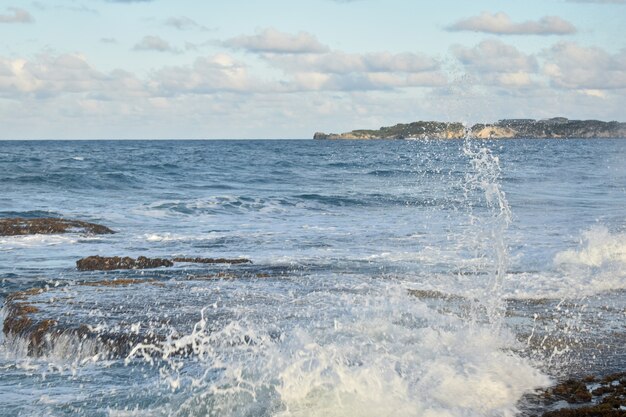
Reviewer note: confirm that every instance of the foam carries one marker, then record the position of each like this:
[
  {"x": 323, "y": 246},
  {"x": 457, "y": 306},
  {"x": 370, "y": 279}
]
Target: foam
[
  {"x": 363, "y": 355},
  {"x": 599, "y": 248},
  {"x": 29, "y": 241}
]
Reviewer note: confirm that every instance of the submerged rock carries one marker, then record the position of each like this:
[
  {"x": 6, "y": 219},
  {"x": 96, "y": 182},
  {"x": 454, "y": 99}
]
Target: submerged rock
[
  {"x": 103, "y": 263},
  {"x": 17, "y": 226},
  {"x": 232, "y": 261},
  {"x": 28, "y": 318}
]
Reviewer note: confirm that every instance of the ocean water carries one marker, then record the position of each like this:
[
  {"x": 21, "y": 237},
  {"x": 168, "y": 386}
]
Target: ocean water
[{"x": 404, "y": 278}]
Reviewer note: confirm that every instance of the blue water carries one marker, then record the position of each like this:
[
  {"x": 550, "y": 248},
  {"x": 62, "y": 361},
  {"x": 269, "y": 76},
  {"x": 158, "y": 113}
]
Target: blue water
[{"x": 516, "y": 248}]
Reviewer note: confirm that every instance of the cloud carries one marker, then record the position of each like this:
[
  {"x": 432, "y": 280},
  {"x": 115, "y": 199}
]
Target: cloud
[
  {"x": 495, "y": 56},
  {"x": 585, "y": 70},
  {"x": 183, "y": 23},
  {"x": 64, "y": 96},
  {"x": 207, "y": 75},
  {"x": 571, "y": 66},
  {"x": 341, "y": 71},
  {"x": 501, "y": 24},
  {"x": 154, "y": 43},
  {"x": 77, "y": 9},
  {"x": 359, "y": 82},
  {"x": 16, "y": 15},
  {"x": 342, "y": 63},
  {"x": 51, "y": 76},
  {"x": 273, "y": 41},
  {"x": 496, "y": 63}
]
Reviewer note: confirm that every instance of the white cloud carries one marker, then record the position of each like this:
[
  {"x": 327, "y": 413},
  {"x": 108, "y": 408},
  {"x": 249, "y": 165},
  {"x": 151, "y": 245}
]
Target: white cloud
[
  {"x": 495, "y": 56},
  {"x": 594, "y": 93},
  {"x": 501, "y": 24},
  {"x": 316, "y": 81},
  {"x": 154, "y": 43},
  {"x": 571, "y": 66},
  {"x": 183, "y": 23},
  {"x": 16, "y": 15},
  {"x": 273, "y": 41},
  {"x": 50, "y": 76},
  {"x": 340, "y": 71},
  {"x": 77, "y": 9},
  {"x": 341, "y": 62},
  {"x": 207, "y": 75},
  {"x": 311, "y": 66},
  {"x": 496, "y": 64}
]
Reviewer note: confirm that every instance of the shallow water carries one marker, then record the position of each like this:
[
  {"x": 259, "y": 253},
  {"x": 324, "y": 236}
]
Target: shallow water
[{"x": 388, "y": 277}]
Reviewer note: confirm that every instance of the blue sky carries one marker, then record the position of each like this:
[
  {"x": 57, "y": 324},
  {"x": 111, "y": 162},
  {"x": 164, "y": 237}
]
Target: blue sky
[{"x": 285, "y": 69}]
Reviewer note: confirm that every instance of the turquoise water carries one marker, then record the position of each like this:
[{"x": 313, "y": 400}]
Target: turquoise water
[{"x": 388, "y": 277}]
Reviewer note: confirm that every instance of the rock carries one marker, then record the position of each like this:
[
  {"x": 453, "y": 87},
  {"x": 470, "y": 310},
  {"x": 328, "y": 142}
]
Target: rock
[
  {"x": 572, "y": 391},
  {"x": 608, "y": 398},
  {"x": 214, "y": 260},
  {"x": 26, "y": 320},
  {"x": 16, "y": 226},
  {"x": 101, "y": 263}
]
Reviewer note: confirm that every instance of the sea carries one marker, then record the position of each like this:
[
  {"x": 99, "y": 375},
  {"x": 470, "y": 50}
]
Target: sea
[{"x": 431, "y": 278}]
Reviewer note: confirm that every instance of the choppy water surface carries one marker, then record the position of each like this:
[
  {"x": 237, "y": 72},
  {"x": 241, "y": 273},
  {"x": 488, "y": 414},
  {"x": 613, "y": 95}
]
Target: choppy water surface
[{"x": 388, "y": 278}]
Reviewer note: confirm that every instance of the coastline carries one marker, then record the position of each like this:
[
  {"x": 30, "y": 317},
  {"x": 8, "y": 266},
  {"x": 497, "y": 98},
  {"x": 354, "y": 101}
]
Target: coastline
[{"x": 553, "y": 128}]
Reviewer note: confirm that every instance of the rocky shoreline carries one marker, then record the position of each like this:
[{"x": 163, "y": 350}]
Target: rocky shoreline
[
  {"x": 32, "y": 316},
  {"x": 554, "y": 128},
  {"x": 591, "y": 396}
]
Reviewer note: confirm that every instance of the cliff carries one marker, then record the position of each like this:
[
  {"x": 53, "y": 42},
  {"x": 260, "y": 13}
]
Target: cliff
[{"x": 558, "y": 127}]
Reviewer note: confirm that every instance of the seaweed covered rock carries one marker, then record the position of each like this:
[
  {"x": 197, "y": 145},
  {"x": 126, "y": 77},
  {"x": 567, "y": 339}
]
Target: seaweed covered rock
[
  {"x": 28, "y": 318},
  {"x": 232, "y": 261},
  {"x": 103, "y": 263},
  {"x": 16, "y": 226},
  {"x": 602, "y": 397}
]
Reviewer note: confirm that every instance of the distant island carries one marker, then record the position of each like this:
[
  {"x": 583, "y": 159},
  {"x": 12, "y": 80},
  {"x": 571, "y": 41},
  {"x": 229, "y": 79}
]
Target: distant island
[{"x": 557, "y": 127}]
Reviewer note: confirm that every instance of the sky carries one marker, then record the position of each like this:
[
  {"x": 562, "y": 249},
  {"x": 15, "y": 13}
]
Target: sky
[{"x": 170, "y": 69}]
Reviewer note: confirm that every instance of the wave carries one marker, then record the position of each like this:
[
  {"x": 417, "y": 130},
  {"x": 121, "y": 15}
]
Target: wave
[
  {"x": 367, "y": 355},
  {"x": 216, "y": 205},
  {"x": 599, "y": 248},
  {"x": 31, "y": 241}
]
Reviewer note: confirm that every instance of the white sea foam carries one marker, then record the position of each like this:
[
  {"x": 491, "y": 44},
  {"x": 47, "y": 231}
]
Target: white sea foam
[
  {"x": 363, "y": 355},
  {"x": 598, "y": 248},
  {"x": 172, "y": 237},
  {"x": 27, "y": 241},
  {"x": 64, "y": 353}
]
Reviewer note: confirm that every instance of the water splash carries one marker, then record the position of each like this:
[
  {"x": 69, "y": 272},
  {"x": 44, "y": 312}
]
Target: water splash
[
  {"x": 488, "y": 226},
  {"x": 376, "y": 353}
]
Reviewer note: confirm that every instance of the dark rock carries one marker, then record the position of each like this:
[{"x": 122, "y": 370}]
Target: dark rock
[
  {"x": 596, "y": 411},
  {"x": 45, "y": 226},
  {"x": 119, "y": 282},
  {"x": 25, "y": 320},
  {"x": 101, "y": 263},
  {"x": 607, "y": 400},
  {"x": 572, "y": 391},
  {"x": 214, "y": 260}
]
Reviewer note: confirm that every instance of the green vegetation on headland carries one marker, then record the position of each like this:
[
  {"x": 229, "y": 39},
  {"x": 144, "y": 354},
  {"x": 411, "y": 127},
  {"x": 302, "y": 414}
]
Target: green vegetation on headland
[{"x": 557, "y": 127}]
